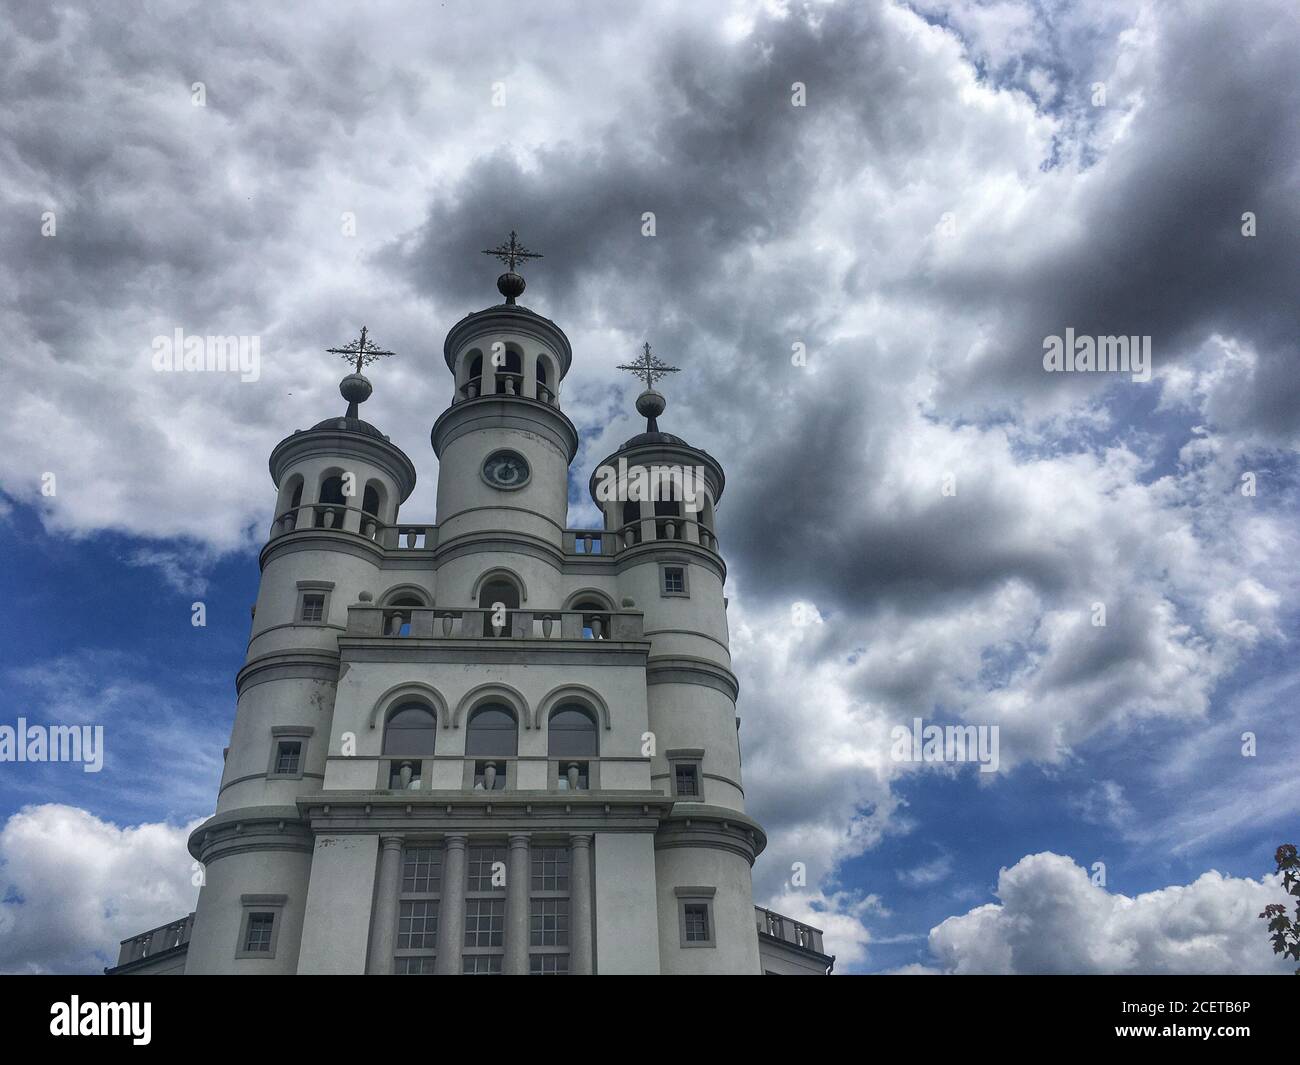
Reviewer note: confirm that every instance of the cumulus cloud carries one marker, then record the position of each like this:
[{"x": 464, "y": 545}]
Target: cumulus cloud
[
  {"x": 75, "y": 885},
  {"x": 1051, "y": 918}
]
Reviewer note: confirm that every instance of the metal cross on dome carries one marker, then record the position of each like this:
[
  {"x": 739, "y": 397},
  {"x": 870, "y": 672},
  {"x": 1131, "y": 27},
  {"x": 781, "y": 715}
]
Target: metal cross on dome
[
  {"x": 511, "y": 252},
  {"x": 362, "y": 351},
  {"x": 649, "y": 366}
]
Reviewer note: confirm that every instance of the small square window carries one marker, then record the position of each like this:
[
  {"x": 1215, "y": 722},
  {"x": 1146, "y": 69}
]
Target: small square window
[
  {"x": 673, "y": 580},
  {"x": 257, "y": 939},
  {"x": 288, "y": 757},
  {"x": 313, "y": 607},
  {"x": 697, "y": 922},
  {"x": 686, "y": 777}
]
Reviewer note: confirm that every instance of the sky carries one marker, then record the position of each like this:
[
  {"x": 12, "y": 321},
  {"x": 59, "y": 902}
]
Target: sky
[{"x": 853, "y": 226}]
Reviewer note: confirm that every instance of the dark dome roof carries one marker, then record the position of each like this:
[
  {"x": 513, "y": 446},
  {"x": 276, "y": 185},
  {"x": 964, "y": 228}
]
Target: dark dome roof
[
  {"x": 350, "y": 425},
  {"x": 653, "y": 438}
]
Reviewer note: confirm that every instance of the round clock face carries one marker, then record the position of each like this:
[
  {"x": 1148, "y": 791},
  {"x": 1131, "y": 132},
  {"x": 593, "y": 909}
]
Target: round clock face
[{"x": 506, "y": 469}]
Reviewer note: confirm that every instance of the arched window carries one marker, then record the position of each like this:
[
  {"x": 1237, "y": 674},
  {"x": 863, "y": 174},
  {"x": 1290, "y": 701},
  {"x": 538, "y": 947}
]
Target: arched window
[
  {"x": 572, "y": 739},
  {"x": 572, "y": 733},
  {"x": 543, "y": 386},
  {"x": 491, "y": 737},
  {"x": 412, "y": 729},
  {"x": 492, "y": 732},
  {"x": 331, "y": 492},
  {"x": 504, "y": 592},
  {"x": 409, "y": 737},
  {"x": 631, "y": 516},
  {"x": 372, "y": 504},
  {"x": 474, "y": 385},
  {"x": 667, "y": 529},
  {"x": 510, "y": 377}
]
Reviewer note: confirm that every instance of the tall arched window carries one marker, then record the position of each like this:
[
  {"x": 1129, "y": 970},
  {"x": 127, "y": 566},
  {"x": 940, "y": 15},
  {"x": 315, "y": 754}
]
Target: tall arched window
[
  {"x": 572, "y": 733},
  {"x": 543, "y": 386},
  {"x": 510, "y": 377},
  {"x": 331, "y": 492},
  {"x": 491, "y": 737},
  {"x": 631, "y": 516},
  {"x": 670, "y": 509},
  {"x": 572, "y": 738},
  {"x": 492, "y": 732},
  {"x": 474, "y": 385},
  {"x": 494, "y": 596},
  {"x": 410, "y": 735}
]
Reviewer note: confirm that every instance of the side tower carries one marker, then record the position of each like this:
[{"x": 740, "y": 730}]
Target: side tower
[
  {"x": 339, "y": 487},
  {"x": 658, "y": 495}
]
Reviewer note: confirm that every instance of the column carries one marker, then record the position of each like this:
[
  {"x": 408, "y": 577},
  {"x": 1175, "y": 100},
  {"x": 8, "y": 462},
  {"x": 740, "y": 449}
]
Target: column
[
  {"x": 451, "y": 910},
  {"x": 580, "y": 904},
  {"x": 383, "y": 923},
  {"x": 517, "y": 914}
]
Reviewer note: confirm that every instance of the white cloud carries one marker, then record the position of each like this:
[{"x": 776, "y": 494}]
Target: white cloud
[
  {"x": 74, "y": 886},
  {"x": 1051, "y": 918}
]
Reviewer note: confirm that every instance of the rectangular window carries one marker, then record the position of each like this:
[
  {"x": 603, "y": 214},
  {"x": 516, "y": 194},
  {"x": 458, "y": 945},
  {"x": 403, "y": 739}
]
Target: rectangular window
[
  {"x": 486, "y": 869},
  {"x": 257, "y": 939},
  {"x": 674, "y": 580},
  {"x": 687, "y": 778},
  {"x": 481, "y": 965},
  {"x": 422, "y": 871},
  {"x": 548, "y": 923},
  {"x": 286, "y": 757},
  {"x": 548, "y": 964},
  {"x": 417, "y": 925},
  {"x": 313, "y": 607},
  {"x": 697, "y": 922},
  {"x": 550, "y": 869},
  {"x": 417, "y": 910},
  {"x": 485, "y": 922}
]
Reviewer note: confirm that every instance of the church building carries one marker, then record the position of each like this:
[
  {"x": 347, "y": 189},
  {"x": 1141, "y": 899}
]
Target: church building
[{"x": 494, "y": 743}]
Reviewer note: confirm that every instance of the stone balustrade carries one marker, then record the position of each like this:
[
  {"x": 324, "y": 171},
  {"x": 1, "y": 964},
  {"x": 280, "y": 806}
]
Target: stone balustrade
[
  {"x": 438, "y": 623},
  {"x": 156, "y": 940},
  {"x": 788, "y": 930}
]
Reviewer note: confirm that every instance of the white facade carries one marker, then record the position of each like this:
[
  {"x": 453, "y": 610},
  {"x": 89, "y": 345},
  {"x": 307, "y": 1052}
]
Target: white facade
[{"x": 377, "y": 813}]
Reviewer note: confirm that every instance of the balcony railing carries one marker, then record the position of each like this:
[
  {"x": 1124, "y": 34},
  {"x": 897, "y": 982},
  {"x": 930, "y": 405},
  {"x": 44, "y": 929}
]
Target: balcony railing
[
  {"x": 437, "y": 623},
  {"x": 404, "y": 536},
  {"x": 507, "y": 384},
  {"x": 343, "y": 518},
  {"x": 156, "y": 940},
  {"x": 788, "y": 930}
]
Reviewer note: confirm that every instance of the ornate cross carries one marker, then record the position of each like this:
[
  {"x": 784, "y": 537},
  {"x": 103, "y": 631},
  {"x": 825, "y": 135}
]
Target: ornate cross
[
  {"x": 511, "y": 252},
  {"x": 362, "y": 351},
  {"x": 649, "y": 366}
]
